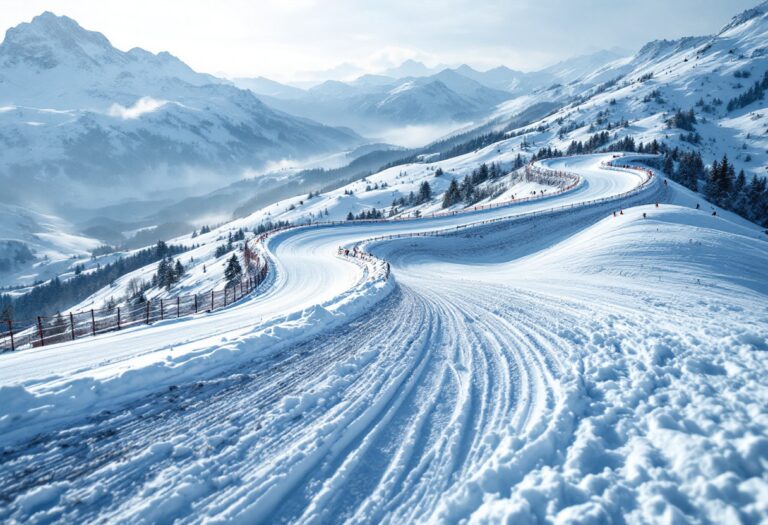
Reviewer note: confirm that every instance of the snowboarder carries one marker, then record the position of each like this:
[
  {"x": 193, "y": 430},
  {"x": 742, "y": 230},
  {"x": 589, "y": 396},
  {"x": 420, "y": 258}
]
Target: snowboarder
[
  {"x": 621, "y": 212},
  {"x": 714, "y": 213},
  {"x": 697, "y": 206},
  {"x": 614, "y": 214},
  {"x": 643, "y": 215}
]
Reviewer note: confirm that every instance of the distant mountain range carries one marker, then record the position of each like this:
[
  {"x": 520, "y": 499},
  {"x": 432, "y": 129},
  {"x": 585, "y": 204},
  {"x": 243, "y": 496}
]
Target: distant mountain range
[
  {"x": 113, "y": 141},
  {"x": 87, "y": 121},
  {"x": 415, "y": 94}
]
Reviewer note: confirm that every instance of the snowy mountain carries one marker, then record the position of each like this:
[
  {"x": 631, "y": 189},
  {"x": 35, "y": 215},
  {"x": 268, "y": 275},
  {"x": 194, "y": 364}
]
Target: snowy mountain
[
  {"x": 721, "y": 78},
  {"x": 375, "y": 102},
  {"x": 522, "y": 83},
  {"x": 415, "y": 95},
  {"x": 411, "y": 68},
  {"x": 84, "y": 118}
]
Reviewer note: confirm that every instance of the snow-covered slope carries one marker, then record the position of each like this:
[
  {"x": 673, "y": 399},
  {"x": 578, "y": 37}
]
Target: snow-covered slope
[
  {"x": 562, "y": 368},
  {"x": 639, "y": 96},
  {"x": 87, "y": 120},
  {"x": 37, "y": 247}
]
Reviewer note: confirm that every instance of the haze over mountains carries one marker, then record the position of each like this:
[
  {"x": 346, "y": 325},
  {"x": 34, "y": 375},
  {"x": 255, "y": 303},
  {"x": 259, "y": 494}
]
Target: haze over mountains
[
  {"x": 414, "y": 94},
  {"x": 84, "y": 118}
]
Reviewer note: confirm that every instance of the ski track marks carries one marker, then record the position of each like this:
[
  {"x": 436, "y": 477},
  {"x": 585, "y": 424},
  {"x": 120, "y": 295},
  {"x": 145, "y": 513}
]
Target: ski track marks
[{"x": 518, "y": 373}]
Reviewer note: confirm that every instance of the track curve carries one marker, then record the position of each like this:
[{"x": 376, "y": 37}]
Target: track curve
[{"x": 384, "y": 421}]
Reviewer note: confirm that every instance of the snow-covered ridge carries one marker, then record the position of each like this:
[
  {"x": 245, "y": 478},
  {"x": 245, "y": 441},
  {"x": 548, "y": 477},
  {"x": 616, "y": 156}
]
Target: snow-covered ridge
[{"x": 639, "y": 96}]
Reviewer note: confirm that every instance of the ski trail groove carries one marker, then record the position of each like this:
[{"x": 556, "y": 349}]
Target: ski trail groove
[{"x": 397, "y": 417}]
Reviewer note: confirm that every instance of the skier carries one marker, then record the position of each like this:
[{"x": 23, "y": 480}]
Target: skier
[
  {"x": 643, "y": 215},
  {"x": 714, "y": 213},
  {"x": 697, "y": 206},
  {"x": 614, "y": 214}
]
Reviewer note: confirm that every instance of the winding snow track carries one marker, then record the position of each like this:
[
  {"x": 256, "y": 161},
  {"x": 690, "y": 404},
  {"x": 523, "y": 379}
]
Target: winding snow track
[
  {"x": 308, "y": 273},
  {"x": 392, "y": 419}
]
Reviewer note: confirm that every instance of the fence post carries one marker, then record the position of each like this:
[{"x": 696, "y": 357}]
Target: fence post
[
  {"x": 178, "y": 313},
  {"x": 118, "y": 318},
  {"x": 10, "y": 332},
  {"x": 72, "y": 324},
  {"x": 40, "y": 331},
  {"x": 147, "y": 311},
  {"x": 162, "y": 312},
  {"x": 93, "y": 323}
]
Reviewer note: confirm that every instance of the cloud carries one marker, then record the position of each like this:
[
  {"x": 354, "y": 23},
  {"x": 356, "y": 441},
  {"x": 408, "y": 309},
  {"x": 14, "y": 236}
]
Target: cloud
[{"x": 142, "y": 106}]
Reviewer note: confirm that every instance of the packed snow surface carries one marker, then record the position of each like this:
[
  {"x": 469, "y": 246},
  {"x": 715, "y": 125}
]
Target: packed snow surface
[{"x": 567, "y": 367}]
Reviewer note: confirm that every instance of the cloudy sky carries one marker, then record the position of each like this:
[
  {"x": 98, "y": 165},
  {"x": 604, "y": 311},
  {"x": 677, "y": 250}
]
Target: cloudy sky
[{"x": 290, "y": 39}]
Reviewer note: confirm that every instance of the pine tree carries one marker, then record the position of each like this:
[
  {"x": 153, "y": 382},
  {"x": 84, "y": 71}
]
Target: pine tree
[
  {"x": 467, "y": 190},
  {"x": 710, "y": 188},
  {"x": 161, "y": 279},
  {"x": 425, "y": 193},
  {"x": 233, "y": 271},
  {"x": 669, "y": 166},
  {"x": 739, "y": 200},
  {"x": 350, "y": 217},
  {"x": 452, "y": 196}
]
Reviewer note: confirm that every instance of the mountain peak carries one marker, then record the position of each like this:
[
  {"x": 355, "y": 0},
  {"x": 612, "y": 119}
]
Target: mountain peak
[
  {"x": 57, "y": 28},
  {"x": 409, "y": 68},
  {"x": 48, "y": 39}
]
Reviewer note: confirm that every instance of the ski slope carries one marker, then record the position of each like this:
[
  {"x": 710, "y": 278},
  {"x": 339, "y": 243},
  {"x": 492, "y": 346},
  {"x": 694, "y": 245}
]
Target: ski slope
[{"x": 561, "y": 367}]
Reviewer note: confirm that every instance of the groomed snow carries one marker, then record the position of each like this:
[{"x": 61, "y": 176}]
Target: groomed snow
[{"x": 571, "y": 367}]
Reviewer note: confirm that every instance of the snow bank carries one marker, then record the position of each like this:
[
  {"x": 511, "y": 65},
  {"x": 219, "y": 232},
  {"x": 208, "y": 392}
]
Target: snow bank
[{"x": 27, "y": 410}]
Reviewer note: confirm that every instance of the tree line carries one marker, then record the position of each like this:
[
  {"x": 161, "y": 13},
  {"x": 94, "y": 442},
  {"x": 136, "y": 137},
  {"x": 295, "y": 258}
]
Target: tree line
[
  {"x": 57, "y": 295},
  {"x": 753, "y": 94},
  {"x": 469, "y": 190}
]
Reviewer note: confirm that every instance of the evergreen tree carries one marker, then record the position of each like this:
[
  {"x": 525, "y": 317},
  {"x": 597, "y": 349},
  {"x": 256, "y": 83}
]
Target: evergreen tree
[
  {"x": 452, "y": 196},
  {"x": 710, "y": 188},
  {"x": 233, "y": 271},
  {"x": 740, "y": 199},
  {"x": 467, "y": 190},
  {"x": 720, "y": 182},
  {"x": 425, "y": 193},
  {"x": 163, "y": 273},
  {"x": 669, "y": 166},
  {"x": 221, "y": 250}
]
